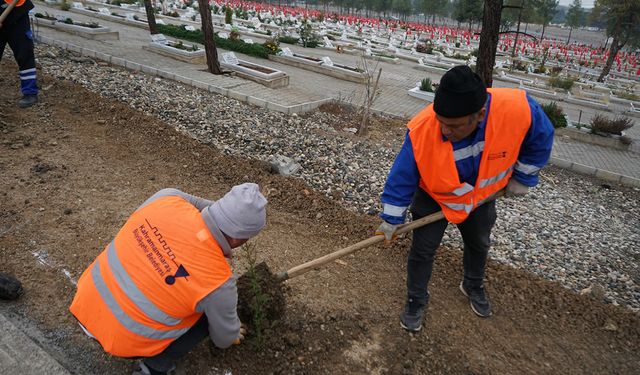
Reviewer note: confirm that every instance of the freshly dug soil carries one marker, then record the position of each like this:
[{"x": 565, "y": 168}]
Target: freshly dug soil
[
  {"x": 75, "y": 166},
  {"x": 261, "y": 284}
]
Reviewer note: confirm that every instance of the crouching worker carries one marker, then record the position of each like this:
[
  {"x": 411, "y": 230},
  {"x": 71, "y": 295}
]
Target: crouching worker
[{"x": 163, "y": 284}]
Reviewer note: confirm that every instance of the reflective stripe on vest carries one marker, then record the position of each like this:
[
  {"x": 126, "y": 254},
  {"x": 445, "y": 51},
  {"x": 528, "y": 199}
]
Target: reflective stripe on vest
[
  {"x": 122, "y": 317},
  {"x": 133, "y": 293},
  {"x": 142, "y": 291},
  {"x": 508, "y": 120},
  {"x": 494, "y": 179}
]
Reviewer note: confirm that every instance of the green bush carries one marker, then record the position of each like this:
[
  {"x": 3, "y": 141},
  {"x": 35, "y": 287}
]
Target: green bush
[
  {"x": 288, "y": 40},
  {"x": 257, "y": 50},
  {"x": 562, "y": 83},
  {"x": 426, "y": 85},
  {"x": 626, "y": 95},
  {"x": 228, "y": 15},
  {"x": 600, "y": 123},
  {"x": 555, "y": 114}
]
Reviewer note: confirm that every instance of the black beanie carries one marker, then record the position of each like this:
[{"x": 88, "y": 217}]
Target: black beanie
[{"x": 461, "y": 92}]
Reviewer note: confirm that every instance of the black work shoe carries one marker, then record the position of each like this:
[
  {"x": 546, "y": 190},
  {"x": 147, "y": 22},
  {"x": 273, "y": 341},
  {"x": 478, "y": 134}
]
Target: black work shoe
[
  {"x": 411, "y": 317},
  {"x": 477, "y": 299},
  {"x": 27, "y": 101}
]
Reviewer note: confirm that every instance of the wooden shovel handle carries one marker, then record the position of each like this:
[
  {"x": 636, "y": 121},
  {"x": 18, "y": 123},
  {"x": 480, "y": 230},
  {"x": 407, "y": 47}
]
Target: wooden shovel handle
[
  {"x": 8, "y": 10},
  {"x": 305, "y": 267}
]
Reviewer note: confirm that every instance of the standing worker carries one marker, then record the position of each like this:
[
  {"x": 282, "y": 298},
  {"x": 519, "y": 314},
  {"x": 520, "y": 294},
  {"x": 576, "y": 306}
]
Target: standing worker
[
  {"x": 163, "y": 284},
  {"x": 15, "y": 30},
  {"x": 459, "y": 151}
]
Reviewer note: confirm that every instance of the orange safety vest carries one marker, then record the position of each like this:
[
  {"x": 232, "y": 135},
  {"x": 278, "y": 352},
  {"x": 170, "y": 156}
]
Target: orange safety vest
[
  {"x": 18, "y": 4},
  {"x": 507, "y": 124},
  {"x": 141, "y": 292}
]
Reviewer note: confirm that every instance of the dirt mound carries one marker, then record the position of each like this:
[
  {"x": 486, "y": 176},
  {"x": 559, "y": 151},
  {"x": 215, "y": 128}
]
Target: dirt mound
[{"x": 75, "y": 166}]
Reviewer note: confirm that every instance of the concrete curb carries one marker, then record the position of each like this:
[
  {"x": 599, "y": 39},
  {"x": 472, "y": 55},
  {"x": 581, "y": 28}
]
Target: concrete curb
[
  {"x": 136, "y": 67},
  {"x": 596, "y": 172},
  {"x": 19, "y": 354}
]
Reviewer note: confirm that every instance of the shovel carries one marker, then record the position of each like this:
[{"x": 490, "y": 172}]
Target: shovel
[
  {"x": 8, "y": 10},
  {"x": 308, "y": 266}
]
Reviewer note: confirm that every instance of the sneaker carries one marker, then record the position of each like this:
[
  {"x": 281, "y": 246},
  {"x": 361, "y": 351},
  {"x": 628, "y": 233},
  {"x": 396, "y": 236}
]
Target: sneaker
[
  {"x": 411, "y": 317},
  {"x": 478, "y": 300},
  {"x": 27, "y": 101},
  {"x": 144, "y": 369}
]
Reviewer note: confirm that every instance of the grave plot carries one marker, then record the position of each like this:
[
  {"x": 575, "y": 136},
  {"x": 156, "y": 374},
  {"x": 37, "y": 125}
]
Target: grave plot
[
  {"x": 262, "y": 74},
  {"x": 86, "y": 30},
  {"x": 190, "y": 53},
  {"x": 322, "y": 65}
]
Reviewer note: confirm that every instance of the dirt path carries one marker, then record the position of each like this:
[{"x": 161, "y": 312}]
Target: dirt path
[{"x": 75, "y": 166}]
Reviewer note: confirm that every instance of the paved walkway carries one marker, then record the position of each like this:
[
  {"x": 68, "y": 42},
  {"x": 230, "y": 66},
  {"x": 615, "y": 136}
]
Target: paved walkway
[
  {"x": 306, "y": 89},
  {"x": 19, "y": 354}
]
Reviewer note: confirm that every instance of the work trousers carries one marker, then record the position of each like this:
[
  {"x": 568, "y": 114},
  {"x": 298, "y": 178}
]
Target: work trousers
[
  {"x": 180, "y": 347},
  {"x": 20, "y": 39},
  {"x": 475, "y": 230}
]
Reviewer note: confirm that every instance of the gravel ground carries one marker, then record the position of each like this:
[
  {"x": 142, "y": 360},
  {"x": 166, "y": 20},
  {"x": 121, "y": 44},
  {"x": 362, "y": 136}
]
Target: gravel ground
[{"x": 578, "y": 231}]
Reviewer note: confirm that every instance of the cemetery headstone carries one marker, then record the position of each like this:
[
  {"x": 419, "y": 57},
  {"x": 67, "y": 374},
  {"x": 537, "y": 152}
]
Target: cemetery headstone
[
  {"x": 286, "y": 51},
  {"x": 327, "y": 61},
  {"x": 104, "y": 11},
  {"x": 248, "y": 40},
  {"x": 159, "y": 38},
  {"x": 230, "y": 58},
  {"x": 77, "y": 5}
]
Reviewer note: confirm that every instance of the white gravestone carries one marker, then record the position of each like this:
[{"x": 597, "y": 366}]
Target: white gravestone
[
  {"x": 327, "y": 42},
  {"x": 286, "y": 51},
  {"x": 77, "y": 5},
  {"x": 230, "y": 58},
  {"x": 248, "y": 41},
  {"x": 129, "y": 16},
  {"x": 327, "y": 61},
  {"x": 104, "y": 11},
  {"x": 223, "y": 35},
  {"x": 159, "y": 38},
  {"x": 190, "y": 28}
]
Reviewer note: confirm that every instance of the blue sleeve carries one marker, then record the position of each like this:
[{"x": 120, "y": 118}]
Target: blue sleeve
[
  {"x": 401, "y": 184},
  {"x": 536, "y": 147}
]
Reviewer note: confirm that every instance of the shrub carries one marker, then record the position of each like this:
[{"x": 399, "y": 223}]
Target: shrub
[
  {"x": 600, "y": 123},
  {"x": 257, "y": 50},
  {"x": 65, "y": 6},
  {"x": 426, "y": 85},
  {"x": 555, "y": 114},
  {"x": 540, "y": 69},
  {"x": 228, "y": 15},
  {"x": 424, "y": 48},
  {"x": 562, "y": 83},
  {"x": 272, "y": 45},
  {"x": 288, "y": 40},
  {"x": 626, "y": 95}
]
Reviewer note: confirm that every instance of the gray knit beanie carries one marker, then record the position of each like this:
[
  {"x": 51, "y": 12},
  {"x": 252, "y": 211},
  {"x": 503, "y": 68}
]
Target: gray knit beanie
[{"x": 241, "y": 212}]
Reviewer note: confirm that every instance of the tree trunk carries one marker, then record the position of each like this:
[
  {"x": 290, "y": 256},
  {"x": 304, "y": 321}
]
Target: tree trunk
[
  {"x": 616, "y": 46},
  {"x": 151, "y": 17},
  {"x": 489, "y": 40},
  {"x": 569, "y": 38},
  {"x": 544, "y": 26},
  {"x": 213, "y": 66}
]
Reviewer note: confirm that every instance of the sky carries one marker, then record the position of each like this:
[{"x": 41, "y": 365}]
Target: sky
[{"x": 585, "y": 3}]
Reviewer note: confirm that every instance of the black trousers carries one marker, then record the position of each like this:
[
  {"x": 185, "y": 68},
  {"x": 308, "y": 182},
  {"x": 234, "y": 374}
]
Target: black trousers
[
  {"x": 20, "y": 39},
  {"x": 180, "y": 347},
  {"x": 475, "y": 230}
]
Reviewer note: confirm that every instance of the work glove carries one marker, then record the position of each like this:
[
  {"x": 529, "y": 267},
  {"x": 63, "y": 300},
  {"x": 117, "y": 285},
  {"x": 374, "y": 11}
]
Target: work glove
[
  {"x": 243, "y": 332},
  {"x": 515, "y": 189},
  {"x": 388, "y": 230}
]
